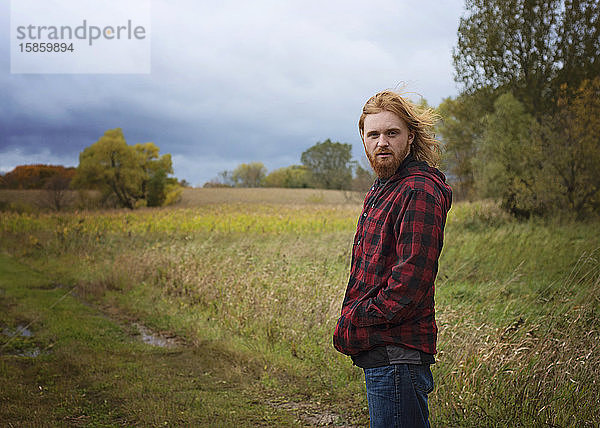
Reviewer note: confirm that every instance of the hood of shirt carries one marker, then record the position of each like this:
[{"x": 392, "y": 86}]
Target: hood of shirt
[{"x": 411, "y": 167}]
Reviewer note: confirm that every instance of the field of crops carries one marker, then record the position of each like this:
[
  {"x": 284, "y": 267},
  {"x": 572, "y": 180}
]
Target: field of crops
[{"x": 517, "y": 303}]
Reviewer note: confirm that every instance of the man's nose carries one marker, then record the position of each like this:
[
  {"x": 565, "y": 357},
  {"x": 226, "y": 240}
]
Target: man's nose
[{"x": 382, "y": 141}]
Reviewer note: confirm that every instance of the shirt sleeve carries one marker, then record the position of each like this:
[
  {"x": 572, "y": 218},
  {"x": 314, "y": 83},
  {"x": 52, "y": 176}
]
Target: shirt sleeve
[{"x": 418, "y": 233}]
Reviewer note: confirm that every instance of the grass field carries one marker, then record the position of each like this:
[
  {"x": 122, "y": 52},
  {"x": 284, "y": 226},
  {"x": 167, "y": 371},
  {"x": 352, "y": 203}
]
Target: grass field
[
  {"x": 192, "y": 197},
  {"x": 41, "y": 200},
  {"x": 256, "y": 280}
]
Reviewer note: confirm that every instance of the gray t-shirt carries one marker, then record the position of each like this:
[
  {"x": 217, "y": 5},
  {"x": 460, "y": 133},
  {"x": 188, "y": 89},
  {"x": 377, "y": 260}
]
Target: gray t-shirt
[{"x": 391, "y": 354}]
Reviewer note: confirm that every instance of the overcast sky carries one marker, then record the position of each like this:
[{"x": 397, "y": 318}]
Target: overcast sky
[{"x": 235, "y": 82}]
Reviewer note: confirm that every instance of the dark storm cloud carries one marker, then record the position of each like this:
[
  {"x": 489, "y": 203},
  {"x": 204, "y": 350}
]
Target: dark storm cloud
[{"x": 235, "y": 82}]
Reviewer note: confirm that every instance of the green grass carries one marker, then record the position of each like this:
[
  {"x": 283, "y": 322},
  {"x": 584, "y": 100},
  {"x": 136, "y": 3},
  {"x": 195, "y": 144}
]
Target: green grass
[
  {"x": 92, "y": 372},
  {"x": 517, "y": 303}
]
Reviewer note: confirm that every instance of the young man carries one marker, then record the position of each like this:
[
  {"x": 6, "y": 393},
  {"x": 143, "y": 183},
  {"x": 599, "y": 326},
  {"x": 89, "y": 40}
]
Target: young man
[{"x": 387, "y": 323}]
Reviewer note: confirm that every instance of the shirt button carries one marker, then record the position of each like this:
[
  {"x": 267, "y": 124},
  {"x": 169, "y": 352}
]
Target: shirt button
[
  {"x": 364, "y": 214},
  {"x": 358, "y": 243},
  {"x": 372, "y": 205}
]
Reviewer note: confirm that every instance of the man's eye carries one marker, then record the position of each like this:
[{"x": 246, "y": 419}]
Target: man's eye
[{"x": 392, "y": 133}]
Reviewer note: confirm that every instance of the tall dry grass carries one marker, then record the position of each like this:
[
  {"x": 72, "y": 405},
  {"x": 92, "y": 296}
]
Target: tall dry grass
[
  {"x": 195, "y": 197},
  {"x": 517, "y": 303},
  {"x": 539, "y": 370}
]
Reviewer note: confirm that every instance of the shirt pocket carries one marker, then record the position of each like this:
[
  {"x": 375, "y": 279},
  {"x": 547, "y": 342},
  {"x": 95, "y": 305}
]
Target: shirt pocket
[{"x": 373, "y": 236}]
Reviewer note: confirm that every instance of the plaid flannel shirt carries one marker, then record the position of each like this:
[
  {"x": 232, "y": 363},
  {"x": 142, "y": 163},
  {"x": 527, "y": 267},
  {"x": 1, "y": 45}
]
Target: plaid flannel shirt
[{"x": 390, "y": 295}]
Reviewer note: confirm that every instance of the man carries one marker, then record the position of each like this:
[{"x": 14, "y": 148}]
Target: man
[{"x": 387, "y": 324}]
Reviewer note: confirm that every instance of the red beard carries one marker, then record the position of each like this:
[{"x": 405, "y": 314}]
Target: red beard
[{"x": 386, "y": 167}]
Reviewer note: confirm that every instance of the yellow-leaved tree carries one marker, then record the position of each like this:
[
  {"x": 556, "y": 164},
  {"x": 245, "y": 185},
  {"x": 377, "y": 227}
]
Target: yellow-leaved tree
[{"x": 132, "y": 175}]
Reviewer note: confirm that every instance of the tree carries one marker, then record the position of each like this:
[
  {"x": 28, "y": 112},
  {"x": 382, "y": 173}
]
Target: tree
[
  {"x": 156, "y": 170},
  {"x": 528, "y": 47},
  {"x": 509, "y": 163},
  {"x": 294, "y": 176},
  {"x": 329, "y": 164},
  {"x": 173, "y": 191},
  {"x": 546, "y": 55},
  {"x": 57, "y": 192},
  {"x": 249, "y": 174},
  {"x": 364, "y": 176},
  {"x": 571, "y": 140},
  {"x": 462, "y": 127},
  {"x": 540, "y": 169},
  {"x": 134, "y": 175},
  {"x": 223, "y": 179},
  {"x": 578, "y": 44}
]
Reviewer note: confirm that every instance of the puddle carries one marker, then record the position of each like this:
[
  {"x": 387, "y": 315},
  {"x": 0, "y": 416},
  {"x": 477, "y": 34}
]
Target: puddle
[
  {"x": 21, "y": 330},
  {"x": 31, "y": 353},
  {"x": 155, "y": 339},
  {"x": 20, "y": 343}
]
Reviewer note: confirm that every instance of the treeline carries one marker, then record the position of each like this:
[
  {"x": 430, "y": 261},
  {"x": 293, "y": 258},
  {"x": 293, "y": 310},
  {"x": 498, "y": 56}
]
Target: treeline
[
  {"x": 37, "y": 176},
  {"x": 525, "y": 128},
  {"x": 118, "y": 174},
  {"x": 325, "y": 165}
]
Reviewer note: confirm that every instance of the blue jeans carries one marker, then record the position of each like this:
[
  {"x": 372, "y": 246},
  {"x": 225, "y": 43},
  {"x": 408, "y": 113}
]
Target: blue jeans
[{"x": 397, "y": 395}]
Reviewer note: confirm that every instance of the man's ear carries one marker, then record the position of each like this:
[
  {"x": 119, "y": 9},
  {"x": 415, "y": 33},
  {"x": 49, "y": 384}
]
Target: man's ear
[{"x": 411, "y": 137}]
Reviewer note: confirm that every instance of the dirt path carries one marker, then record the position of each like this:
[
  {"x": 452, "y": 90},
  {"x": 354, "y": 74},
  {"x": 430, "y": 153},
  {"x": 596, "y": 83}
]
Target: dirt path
[{"x": 64, "y": 361}]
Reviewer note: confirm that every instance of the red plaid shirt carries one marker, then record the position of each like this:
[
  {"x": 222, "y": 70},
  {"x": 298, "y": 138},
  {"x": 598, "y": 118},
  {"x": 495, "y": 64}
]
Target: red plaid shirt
[{"x": 389, "y": 299}]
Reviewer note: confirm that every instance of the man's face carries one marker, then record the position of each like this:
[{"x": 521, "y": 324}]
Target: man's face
[{"x": 387, "y": 142}]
